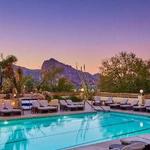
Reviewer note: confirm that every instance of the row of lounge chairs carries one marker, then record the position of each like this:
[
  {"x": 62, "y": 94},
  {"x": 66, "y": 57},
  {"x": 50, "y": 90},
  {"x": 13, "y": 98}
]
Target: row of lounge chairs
[
  {"x": 125, "y": 104},
  {"x": 41, "y": 106},
  {"x": 69, "y": 105},
  {"x": 131, "y": 105}
]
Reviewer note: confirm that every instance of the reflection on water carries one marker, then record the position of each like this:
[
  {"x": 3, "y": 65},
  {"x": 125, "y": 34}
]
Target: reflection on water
[
  {"x": 17, "y": 136},
  {"x": 67, "y": 131}
]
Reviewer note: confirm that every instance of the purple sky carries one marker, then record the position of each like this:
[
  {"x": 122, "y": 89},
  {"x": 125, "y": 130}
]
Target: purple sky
[{"x": 73, "y": 31}]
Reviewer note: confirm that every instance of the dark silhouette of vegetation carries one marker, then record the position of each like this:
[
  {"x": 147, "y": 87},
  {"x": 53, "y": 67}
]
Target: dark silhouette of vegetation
[
  {"x": 52, "y": 81},
  {"x": 125, "y": 73},
  {"x": 6, "y": 67},
  {"x": 64, "y": 85}
]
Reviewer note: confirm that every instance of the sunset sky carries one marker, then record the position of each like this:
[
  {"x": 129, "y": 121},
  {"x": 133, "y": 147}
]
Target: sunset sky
[{"x": 73, "y": 31}]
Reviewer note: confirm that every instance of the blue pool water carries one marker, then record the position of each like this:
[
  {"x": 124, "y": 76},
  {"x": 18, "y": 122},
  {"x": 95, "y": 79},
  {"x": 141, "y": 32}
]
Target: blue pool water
[{"x": 68, "y": 131}]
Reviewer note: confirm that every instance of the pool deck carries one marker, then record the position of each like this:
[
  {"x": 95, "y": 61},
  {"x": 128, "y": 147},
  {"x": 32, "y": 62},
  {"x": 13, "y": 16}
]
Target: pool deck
[
  {"x": 105, "y": 145},
  {"x": 88, "y": 109}
]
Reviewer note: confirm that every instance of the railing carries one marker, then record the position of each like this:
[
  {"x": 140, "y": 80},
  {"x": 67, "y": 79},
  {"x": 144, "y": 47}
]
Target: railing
[{"x": 94, "y": 107}]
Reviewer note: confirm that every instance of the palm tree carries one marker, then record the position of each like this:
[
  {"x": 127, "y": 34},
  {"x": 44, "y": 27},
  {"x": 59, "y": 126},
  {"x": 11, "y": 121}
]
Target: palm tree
[
  {"x": 50, "y": 77},
  {"x": 19, "y": 81},
  {"x": 7, "y": 69}
]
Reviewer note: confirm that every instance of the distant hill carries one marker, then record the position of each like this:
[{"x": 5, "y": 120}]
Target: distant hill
[
  {"x": 68, "y": 71},
  {"x": 35, "y": 73}
]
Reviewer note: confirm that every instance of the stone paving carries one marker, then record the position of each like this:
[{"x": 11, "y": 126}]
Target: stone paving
[{"x": 105, "y": 145}]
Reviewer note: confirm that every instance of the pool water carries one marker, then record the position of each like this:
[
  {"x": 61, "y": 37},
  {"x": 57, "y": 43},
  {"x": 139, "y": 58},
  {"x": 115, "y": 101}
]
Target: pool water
[{"x": 68, "y": 131}]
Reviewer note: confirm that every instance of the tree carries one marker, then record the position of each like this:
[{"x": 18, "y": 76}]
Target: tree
[
  {"x": 19, "y": 81},
  {"x": 50, "y": 79},
  {"x": 6, "y": 67},
  {"x": 7, "y": 86},
  {"x": 125, "y": 73},
  {"x": 64, "y": 85},
  {"x": 12, "y": 78},
  {"x": 30, "y": 84}
]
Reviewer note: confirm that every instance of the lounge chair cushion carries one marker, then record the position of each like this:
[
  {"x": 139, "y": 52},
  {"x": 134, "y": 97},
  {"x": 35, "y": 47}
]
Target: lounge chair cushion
[
  {"x": 147, "y": 103},
  {"x": 114, "y": 105},
  {"x": 129, "y": 141},
  {"x": 97, "y": 99},
  {"x": 69, "y": 102},
  {"x": 116, "y": 146},
  {"x": 147, "y": 108},
  {"x": 125, "y": 106},
  {"x": 2, "y": 106},
  {"x": 43, "y": 103},
  {"x": 5, "y": 111},
  {"x": 109, "y": 100},
  {"x": 62, "y": 102},
  {"x": 8, "y": 105},
  {"x": 35, "y": 104},
  {"x": 16, "y": 110},
  {"x": 139, "y": 107},
  {"x": 135, "y": 146},
  {"x": 134, "y": 102},
  {"x": 125, "y": 101}
]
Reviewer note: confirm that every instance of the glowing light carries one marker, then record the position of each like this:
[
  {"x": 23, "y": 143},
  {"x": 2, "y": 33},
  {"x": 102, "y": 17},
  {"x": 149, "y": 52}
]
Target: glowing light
[
  {"x": 5, "y": 122},
  {"x": 141, "y": 91},
  {"x": 75, "y": 90},
  {"x": 13, "y": 103},
  {"x": 82, "y": 89},
  {"x": 141, "y": 124}
]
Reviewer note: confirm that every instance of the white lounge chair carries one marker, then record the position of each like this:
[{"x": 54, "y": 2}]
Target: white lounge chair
[
  {"x": 109, "y": 101},
  {"x": 130, "y": 105},
  {"x": 7, "y": 109},
  {"x": 78, "y": 105},
  {"x": 97, "y": 101},
  {"x": 65, "y": 106},
  {"x": 42, "y": 106},
  {"x": 117, "y": 105},
  {"x": 142, "y": 107}
]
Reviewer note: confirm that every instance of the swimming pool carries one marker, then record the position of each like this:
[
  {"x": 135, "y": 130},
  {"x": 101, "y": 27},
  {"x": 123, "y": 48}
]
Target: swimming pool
[{"x": 68, "y": 131}]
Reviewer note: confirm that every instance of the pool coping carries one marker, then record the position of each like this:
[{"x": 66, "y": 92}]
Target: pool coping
[
  {"x": 59, "y": 113},
  {"x": 44, "y": 115}
]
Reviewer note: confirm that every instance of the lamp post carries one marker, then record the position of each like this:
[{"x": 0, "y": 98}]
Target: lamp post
[
  {"x": 142, "y": 99},
  {"x": 82, "y": 93}
]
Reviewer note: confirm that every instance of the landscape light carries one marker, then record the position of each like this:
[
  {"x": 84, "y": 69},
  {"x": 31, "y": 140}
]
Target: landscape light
[
  {"x": 141, "y": 124},
  {"x": 141, "y": 91},
  {"x": 5, "y": 122},
  {"x": 82, "y": 90},
  {"x": 15, "y": 95},
  {"x": 75, "y": 90}
]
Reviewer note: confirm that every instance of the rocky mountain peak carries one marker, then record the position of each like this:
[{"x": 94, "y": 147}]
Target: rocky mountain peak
[{"x": 69, "y": 72}]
